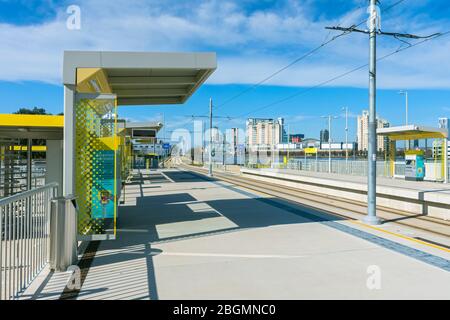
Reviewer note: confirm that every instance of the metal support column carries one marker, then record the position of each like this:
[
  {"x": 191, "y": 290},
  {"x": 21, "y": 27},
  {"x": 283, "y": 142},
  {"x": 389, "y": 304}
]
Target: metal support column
[
  {"x": 29, "y": 163},
  {"x": 69, "y": 140},
  {"x": 210, "y": 171},
  {"x": 371, "y": 217},
  {"x": 393, "y": 151},
  {"x": 445, "y": 154}
]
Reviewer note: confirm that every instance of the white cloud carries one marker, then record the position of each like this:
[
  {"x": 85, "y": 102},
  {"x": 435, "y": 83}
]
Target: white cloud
[{"x": 251, "y": 45}]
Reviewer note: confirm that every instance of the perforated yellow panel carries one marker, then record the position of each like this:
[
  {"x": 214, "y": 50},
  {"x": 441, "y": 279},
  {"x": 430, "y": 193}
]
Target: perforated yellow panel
[{"x": 95, "y": 173}]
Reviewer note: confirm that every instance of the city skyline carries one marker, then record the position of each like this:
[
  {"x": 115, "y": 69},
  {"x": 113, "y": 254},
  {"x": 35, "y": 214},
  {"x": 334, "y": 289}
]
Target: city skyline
[{"x": 244, "y": 59}]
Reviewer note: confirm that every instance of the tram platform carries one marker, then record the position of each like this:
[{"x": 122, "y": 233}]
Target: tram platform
[{"x": 185, "y": 236}]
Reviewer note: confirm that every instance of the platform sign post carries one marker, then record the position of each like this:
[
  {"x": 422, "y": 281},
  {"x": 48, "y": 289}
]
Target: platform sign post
[{"x": 312, "y": 151}]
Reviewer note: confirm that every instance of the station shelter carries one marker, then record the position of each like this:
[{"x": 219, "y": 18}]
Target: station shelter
[
  {"x": 145, "y": 144},
  {"x": 415, "y": 166},
  {"x": 97, "y": 149},
  {"x": 25, "y": 140}
]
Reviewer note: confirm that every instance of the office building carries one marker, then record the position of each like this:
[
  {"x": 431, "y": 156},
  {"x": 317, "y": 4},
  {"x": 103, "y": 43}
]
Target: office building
[
  {"x": 216, "y": 136},
  {"x": 443, "y": 123},
  {"x": 324, "y": 136},
  {"x": 437, "y": 148},
  {"x": 363, "y": 133},
  {"x": 234, "y": 141}
]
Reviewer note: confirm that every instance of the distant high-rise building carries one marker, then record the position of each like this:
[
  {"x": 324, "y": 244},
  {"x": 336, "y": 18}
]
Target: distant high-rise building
[
  {"x": 234, "y": 135},
  {"x": 324, "y": 136},
  {"x": 443, "y": 123},
  {"x": 216, "y": 136},
  {"x": 437, "y": 148},
  {"x": 296, "y": 138},
  {"x": 265, "y": 132},
  {"x": 363, "y": 133}
]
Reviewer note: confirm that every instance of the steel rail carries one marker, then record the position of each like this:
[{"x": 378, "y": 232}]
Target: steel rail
[{"x": 327, "y": 200}]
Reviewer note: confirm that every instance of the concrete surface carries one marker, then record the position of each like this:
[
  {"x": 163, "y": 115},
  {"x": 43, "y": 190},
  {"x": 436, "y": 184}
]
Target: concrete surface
[
  {"x": 183, "y": 237},
  {"x": 427, "y": 198}
]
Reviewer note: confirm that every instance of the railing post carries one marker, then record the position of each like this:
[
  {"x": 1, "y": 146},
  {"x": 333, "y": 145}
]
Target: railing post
[{"x": 63, "y": 233}]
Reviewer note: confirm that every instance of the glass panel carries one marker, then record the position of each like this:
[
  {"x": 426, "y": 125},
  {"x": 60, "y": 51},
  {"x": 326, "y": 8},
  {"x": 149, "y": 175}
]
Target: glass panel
[{"x": 96, "y": 167}]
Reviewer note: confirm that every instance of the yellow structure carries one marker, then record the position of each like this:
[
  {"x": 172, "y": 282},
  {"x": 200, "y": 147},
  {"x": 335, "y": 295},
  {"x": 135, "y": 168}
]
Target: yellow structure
[
  {"x": 415, "y": 132},
  {"x": 311, "y": 150},
  {"x": 25, "y": 148},
  {"x": 97, "y": 153},
  {"x": 31, "y": 121}
]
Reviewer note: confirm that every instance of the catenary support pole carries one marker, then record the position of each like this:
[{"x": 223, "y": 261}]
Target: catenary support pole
[
  {"x": 371, "y": 217},
  {"x": 329, "y": 144},
  {"x": 210, "y": 172},
  {"x": 346, "y": 139}
]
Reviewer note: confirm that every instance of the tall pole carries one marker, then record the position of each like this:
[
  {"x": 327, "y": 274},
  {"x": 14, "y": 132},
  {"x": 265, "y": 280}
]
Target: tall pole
[
  {"x": 407, "y": 115},
  {"x": 210, "y": 172},
  {"x": 404, "y": 92},
  {"x": 273, "y": 142},
  {"x": 203, "y": 142},
  {"x": 223, "y": 149},
  {"x": 29, "y": 163},
  {"x": 406, "y": 97},
  {"x": 371, "y": 217},
  {"x": 329, "y": 144},
  {"x": 289, "y": 142},
  {"x": 346, "y": 137}
]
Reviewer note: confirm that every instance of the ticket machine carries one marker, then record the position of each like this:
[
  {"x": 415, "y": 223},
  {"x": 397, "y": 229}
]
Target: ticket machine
[{"x": 415, "y": 165}]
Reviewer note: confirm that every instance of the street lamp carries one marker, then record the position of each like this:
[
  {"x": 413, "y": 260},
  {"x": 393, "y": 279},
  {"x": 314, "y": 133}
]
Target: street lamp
[
  {"x": 405, "y": 93},
  {"x": 346, "y": 137},
  {"x": 329, "y": 117}
]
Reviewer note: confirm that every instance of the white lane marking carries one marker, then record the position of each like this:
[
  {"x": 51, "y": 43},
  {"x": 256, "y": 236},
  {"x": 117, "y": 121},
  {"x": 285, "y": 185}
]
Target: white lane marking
[{"x": 226, "y": 255}]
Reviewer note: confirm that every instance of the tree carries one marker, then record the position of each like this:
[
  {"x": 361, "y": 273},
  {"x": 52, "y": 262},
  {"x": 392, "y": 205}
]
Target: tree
[{"x": 35, "y": 110}]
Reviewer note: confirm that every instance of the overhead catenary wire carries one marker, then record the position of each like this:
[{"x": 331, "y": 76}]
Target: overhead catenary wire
[
  {"x": 306, "y": 55},
  {"x": 321, "y": 84}
]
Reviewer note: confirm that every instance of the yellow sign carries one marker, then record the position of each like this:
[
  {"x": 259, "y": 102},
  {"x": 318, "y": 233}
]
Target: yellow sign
[
  {"x": 414, "y": 152},
  {"x": 25, "y": 148},
  {"x": 311, "y": 150}
]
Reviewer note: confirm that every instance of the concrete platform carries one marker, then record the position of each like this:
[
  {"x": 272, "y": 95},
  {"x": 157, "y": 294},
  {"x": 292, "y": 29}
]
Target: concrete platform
[
  {"x": 182, "y": 236},
  {"x": 427, "y": 198}
]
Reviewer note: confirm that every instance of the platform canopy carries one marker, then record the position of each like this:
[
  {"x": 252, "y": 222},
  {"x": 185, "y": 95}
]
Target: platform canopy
[
  {"x": 26, "y": 126},
  {"x": 413, "y": 132},
  {"x": 139, "y": 78},
  {"x": 126, "y": 128}
]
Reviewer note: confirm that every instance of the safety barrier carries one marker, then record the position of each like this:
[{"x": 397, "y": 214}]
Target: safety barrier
[
  {"x": 24, "y": 238},
  {"x": 354, "y": 167}
]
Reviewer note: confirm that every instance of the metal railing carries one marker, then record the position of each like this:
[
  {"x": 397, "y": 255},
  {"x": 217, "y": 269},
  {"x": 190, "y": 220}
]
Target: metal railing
[
  {"x": 24, "y": 238},
  {"x": 353, "y": 167}
]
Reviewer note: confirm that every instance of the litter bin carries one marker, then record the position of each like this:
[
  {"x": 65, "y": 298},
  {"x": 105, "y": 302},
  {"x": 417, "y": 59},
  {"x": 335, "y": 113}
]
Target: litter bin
[{"x": 63, "y": 233}]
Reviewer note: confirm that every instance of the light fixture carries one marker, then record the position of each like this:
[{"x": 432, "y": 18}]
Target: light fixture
[{"x": 94, "y": 84}]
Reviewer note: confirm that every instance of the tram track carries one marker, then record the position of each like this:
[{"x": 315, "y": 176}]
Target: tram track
[{"x": 348, "y": 209}]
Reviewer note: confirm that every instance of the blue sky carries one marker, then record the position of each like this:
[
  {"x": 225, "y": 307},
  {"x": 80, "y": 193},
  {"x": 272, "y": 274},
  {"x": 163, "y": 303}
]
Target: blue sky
[{"x": 252, "y": 40}]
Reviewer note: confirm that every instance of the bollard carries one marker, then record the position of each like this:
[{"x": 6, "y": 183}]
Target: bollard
[{"x": 63, "y": 233}]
